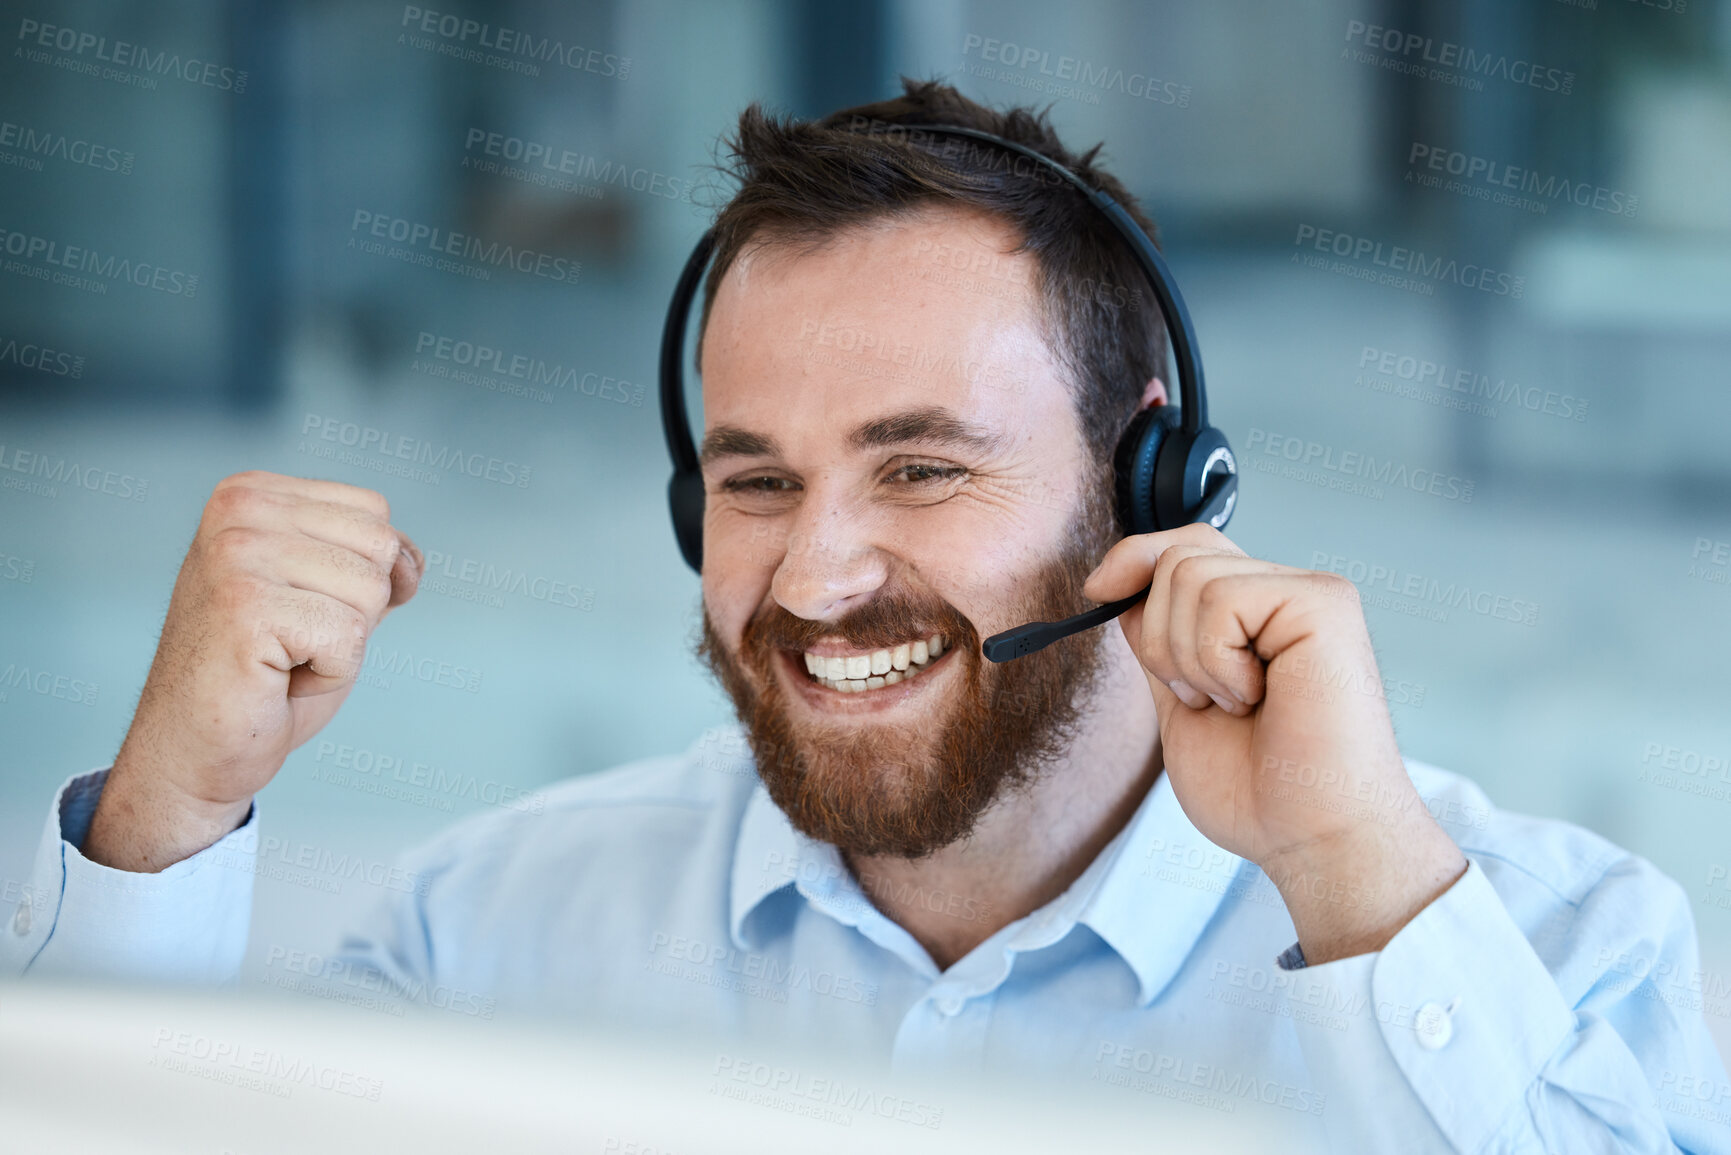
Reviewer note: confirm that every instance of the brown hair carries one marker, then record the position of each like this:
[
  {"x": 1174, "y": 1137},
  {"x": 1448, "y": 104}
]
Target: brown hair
[{"x": 803, "y": 182}]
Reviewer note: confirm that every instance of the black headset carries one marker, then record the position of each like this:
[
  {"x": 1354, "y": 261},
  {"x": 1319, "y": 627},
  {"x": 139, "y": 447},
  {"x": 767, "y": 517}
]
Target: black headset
[{"x": 1171, "y": 469}]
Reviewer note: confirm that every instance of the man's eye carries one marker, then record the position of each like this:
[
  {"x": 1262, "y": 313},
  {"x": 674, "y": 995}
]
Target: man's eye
[
  {"x": 925, "y": 474},
  {"x": 758, "y": 485}
]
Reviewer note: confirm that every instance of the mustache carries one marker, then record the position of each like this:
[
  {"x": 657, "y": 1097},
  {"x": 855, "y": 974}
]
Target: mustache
[{"x": 881, "y": 623}]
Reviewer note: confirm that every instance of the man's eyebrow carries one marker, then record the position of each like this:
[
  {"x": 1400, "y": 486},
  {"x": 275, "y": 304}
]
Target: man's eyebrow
[
  {"x": 732, "y": 441},
  {"x": 933, "y": 424}
]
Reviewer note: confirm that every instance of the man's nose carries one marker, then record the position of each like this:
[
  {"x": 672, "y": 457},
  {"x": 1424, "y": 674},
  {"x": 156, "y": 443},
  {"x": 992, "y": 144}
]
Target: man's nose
[{"x": 829, "y": 567}]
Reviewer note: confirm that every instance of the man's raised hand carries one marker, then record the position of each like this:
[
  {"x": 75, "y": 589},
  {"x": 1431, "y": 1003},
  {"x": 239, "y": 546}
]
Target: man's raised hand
[
  {"x": 284, "y": 583},
  {"x": 1276, "y": 733}
]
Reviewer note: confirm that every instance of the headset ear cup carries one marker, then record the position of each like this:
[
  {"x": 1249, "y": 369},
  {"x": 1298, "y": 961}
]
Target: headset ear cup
[{"x": 1133, "y": 468}]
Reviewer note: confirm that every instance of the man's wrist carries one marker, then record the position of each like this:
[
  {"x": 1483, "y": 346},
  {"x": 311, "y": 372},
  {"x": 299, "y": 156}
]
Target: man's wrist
[
  {"x": 1351, "y": 895},
  {"x": 143, "y": 825}
]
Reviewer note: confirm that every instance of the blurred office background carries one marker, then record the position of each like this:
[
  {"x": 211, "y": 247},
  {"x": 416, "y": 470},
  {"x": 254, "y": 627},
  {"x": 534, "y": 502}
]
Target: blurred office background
[{"x": 1596, "y": 443}]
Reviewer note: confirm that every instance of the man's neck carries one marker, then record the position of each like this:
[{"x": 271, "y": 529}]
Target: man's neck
[{"x": 1028, "y": 848}]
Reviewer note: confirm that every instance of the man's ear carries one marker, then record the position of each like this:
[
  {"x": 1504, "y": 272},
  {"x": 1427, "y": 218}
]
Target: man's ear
[{"x": 1154, "y": 393}]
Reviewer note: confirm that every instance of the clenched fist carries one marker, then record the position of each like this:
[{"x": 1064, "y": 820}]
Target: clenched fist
[
  {"x": 284, "y": 583},
  {"x": 1276, "y": 734}
]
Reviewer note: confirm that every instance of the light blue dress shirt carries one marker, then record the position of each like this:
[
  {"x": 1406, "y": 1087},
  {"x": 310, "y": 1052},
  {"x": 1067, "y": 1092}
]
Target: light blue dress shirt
[{"x": 1551, "y": 1000}]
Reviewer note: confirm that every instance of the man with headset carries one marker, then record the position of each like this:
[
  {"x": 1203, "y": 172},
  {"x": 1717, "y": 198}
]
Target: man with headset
[{"x": 1182, "y": 851}]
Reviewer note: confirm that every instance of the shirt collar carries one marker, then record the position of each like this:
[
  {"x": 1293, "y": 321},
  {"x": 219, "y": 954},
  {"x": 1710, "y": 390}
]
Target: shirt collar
[
  {"x": 765, "y": 859},
  {"x": 1149, "y": 894},
  {"x": 1158, "y": 896}
]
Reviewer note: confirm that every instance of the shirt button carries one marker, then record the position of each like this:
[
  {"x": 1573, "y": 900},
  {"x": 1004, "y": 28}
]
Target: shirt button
[
  {"x": 21, "y": 919},
  {"x": 950, "y": 1005},
  {"x": 1434, "y": 1025}
]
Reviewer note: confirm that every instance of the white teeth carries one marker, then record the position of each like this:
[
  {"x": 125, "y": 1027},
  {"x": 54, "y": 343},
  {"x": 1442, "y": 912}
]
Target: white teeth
[{"x": 873, "y": 671}]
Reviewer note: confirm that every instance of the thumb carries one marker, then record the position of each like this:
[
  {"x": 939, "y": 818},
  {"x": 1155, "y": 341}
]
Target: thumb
[{"x": 405, "y": 573}]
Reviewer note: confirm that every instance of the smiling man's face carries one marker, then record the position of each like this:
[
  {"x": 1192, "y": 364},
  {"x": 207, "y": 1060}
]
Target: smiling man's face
[{"x": 894, "y": 470}]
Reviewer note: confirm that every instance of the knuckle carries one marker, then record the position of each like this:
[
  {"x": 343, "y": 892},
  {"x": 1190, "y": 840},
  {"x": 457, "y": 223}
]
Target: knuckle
[
  {"x": 231, "y": 501},
  {"x": 372, "y": 501},
  {"x": 378, "y": 593},
  {"x": 233, "y": 546},
  {"x": 382, "y": 546},
  {"x": 1216, "y": 539},
  {"x": 245, "y": 479},
  {"x": 1183, "y": 570},
  {"x": 242, "y": 600},
  {"x": 1335, "y": 586},
  {"x": 346, "y": 623}
]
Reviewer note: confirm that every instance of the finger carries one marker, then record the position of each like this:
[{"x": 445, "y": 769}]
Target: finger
[
  {"x": 304, "y": 683},
  {"x": 1268, "y": 613},
  {"x": 237, "y": 504},
  {"x": 306, "y": 563},
  {"x": 311, "y": 489},
  {"x": 1216, "y": 665},
  {"x": 1165, "y": 701},
  {"x": 316, "y": 639},
  {"x": 1157, "y": 649},
  {"x": 394, "y": 556},
  {"x": 347, "y": 526},
  {"x": 1129, "y": 565},
  {"x": 1225, "y": 647}
]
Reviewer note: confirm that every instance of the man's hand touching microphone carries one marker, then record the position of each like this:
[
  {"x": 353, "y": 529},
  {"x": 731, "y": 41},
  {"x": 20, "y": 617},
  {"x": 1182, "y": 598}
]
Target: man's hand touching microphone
[
  {"x": 265, "y": 634},
  {"x": 1276, "y": 734}
]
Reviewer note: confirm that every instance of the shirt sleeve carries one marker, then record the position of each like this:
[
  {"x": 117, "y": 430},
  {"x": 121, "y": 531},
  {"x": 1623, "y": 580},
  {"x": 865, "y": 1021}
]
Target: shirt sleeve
[
  {"x": 389, "y": 954},
  {"x": 1464, "y": 1040},
  {"x": 185, "y": 924}
]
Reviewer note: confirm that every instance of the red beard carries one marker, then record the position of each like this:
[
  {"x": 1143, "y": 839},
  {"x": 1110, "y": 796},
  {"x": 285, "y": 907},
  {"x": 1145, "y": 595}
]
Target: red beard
[{"x": 908, "y": 789}]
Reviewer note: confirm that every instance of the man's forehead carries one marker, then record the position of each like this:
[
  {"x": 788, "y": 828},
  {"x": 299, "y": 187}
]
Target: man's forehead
[
  {"x": 897, "y": 320},
  {"x": 924, "y": 269}
]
